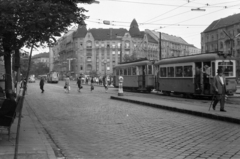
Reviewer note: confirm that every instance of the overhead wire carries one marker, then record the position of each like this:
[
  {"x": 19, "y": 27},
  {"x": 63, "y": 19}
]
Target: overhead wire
[
  {"x": 197, "y": 17},
  {"x": 167, "y": 12},
  {"x": 185, "y": 12},
  {"x": 124, "y": 1}
]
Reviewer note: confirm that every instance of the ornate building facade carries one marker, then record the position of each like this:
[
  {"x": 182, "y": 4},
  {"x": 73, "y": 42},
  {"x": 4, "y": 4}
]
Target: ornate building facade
[
  {"x": 83, "y": 50},
  {"x": 223, "y": 35}
]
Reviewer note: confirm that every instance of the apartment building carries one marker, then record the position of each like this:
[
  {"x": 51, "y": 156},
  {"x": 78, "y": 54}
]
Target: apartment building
[
  {"x": 83, "y": 50},
  {"x": 223, "y": 35}
]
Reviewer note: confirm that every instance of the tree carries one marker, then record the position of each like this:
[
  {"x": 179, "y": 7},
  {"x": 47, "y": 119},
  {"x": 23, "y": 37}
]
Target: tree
[
  {"x": 129, "y": 58},
  {"x": 33, "y": 23},
  {"x": 39, "y": 68}
]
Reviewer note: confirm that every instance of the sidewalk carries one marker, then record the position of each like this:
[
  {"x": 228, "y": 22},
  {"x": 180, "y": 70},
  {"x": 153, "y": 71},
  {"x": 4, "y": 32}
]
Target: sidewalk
[
  {"x": 32, "y": 142},
  {"x": 196, "y": 108}
]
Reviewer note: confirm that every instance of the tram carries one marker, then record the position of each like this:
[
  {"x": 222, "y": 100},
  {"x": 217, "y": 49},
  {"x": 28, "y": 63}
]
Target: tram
[
  {"x": 52, "y": 77},
  {"x": 188, "y": 75},
  {"x": 138, "y": 75}
]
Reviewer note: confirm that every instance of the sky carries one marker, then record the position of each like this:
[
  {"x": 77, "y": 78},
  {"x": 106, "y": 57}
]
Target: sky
[{"x": 174, "y": 17}]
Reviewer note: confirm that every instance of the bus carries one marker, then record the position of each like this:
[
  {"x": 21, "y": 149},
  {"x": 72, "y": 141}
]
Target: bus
[
  {"x": 179, "y": 76},
  {"x": 52, "y": 77}
]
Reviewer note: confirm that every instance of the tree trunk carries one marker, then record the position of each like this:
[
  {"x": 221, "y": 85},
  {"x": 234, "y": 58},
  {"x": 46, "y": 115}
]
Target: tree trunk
[{"x": 8, "y": 75}]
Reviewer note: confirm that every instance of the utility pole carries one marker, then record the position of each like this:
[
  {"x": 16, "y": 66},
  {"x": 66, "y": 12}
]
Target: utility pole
[{"x": 160, "y": 46}]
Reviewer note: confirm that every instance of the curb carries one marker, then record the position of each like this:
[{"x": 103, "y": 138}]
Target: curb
[{"x": 191, "y": 112}]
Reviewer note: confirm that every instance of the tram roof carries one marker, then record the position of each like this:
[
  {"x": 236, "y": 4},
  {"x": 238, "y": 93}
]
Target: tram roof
[
  {"x": 192, "y": 58},
  {"x": 138, "y": 63}
]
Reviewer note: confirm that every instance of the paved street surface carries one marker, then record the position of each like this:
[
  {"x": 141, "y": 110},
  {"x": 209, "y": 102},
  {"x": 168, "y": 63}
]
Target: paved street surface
[{"x": 92, "y": 126}]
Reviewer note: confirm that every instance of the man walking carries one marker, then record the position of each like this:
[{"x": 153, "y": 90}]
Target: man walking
[
  {"x": 41, "y": 84},
  {"x": 219, "y": 85},
  {"x": 79, "y": 83}
]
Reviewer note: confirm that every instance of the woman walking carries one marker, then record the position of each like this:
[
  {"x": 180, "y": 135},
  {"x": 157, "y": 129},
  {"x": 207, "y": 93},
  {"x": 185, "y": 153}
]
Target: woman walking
[
  {"x": 67, "y": 86},
  {"x": 105, "y": 83},
  {"x": 79, "y": 83}
]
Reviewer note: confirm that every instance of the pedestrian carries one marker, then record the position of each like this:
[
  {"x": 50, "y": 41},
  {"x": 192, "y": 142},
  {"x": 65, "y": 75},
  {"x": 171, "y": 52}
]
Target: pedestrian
[
  {"x": 219, "y": 85},
  {"x": 105, "y": 83},
  {"x": 92, "y": 81},
  {"x": 23, "y": 85},
  {"x": 41, "y": 84},
  {"x": 79, "y": 83},
  {"x": 67, "y": 84}
]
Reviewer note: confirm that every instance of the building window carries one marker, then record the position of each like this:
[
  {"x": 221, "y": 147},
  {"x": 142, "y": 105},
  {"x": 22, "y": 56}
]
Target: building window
[
  {"x": 113, "y": 52},
  {"x": 221, "y": 45},
  {"x": 119, "y": 45},
  {"x": 127, "y": 44},
  {"x": 113, "y": 45},
  {"x": 97, "y": 45},
  {"x": 108, "y": 68},
  {"x": 89, "y": 44},
  {"x": 127, "y": 52},
  {"x": 102, "y": 44},
  {"x": 118, "y": 52},
  {"x": 89, "y": 59}
]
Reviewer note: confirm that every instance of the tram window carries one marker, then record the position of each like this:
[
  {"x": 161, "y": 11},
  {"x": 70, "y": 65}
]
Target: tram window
[
  {"x": 163, "y": 72},
  {"x": 213, "y": 69},
  {"x": 140, "y": 70},
  {"x": 129, "y": 71},
  {"x": 125, "y": 71},
  {"x": 134, "y": 71},
  {"x": 179, "y": 71},
  {"x": 170, "y": 71},
  {"x": 117, "y": 72},
  {"x": 188, "y": 71},
  {"x": 120, "y": 72},
  {"x": 227, "y": 68},
  {"x": 149, "y": 69}
]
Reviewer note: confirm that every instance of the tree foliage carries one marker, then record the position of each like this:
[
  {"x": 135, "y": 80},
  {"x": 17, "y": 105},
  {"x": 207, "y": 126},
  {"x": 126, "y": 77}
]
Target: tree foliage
[
  {"x": 33, "y": 23},
  {"x": 129, "y": 58}
]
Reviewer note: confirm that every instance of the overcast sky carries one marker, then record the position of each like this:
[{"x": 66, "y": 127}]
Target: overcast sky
[{"x": 173, "y": 17}]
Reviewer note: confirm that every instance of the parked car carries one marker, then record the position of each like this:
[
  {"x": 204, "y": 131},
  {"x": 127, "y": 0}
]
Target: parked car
[{"x": 31, "y": 80}]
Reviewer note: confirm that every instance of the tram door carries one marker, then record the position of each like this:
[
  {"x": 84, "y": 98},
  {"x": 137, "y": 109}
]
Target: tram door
[
  {"x": 141, "y": 78},
  {"x": 198, "y": 78}
]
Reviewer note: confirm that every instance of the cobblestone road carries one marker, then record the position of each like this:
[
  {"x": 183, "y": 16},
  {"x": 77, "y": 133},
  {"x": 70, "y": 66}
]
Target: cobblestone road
[{"x": 91, "y": 126}]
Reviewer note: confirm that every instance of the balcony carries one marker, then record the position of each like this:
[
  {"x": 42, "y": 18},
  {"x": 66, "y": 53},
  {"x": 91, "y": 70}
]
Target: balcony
[{"x": 89, "y": 47}]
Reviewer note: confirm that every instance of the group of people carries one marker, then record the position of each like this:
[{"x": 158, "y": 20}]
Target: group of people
[{"x": 80, "y": 82}]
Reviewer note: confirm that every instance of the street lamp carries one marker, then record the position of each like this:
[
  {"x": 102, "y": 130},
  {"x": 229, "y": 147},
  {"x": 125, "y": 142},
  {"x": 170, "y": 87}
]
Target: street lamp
[
  {"x": 105, "y": 68},
  {"x": 69, "y": 61}
]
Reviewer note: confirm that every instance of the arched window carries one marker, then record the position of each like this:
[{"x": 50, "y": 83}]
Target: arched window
[
  {"x": 89, "y": 67},
  {"x": 221, "y": 45},
  {"x": 89, "y": 44},
  {"x": 127, "y": 44}
]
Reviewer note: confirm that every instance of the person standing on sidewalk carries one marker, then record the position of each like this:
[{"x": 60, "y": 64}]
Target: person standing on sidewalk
[
  {"x": 79, "y": 83},
  {"x": 41, "y": 84},
  {"x": 105, "y": 83},
  {"x": 219, "y": 85},
  {"x": 92, "y": 81}
]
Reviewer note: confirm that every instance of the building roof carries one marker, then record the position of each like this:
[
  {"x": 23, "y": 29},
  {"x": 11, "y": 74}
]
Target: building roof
[
  {"x": 134, "y": 30},
  {"x": 108, "y": 34},
  {"x": 151, "y": 39},
  {"x": 81, "y": 31},
  {"x": 223, "y": 22},
  {"x": 167, "y": 37},
  {"x": 41, "y": 55}
]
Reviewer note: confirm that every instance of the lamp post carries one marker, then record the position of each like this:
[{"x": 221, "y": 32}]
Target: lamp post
[
  {"x": 105, "y": 67},
  {"x": 69, "y": 61}
]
